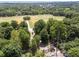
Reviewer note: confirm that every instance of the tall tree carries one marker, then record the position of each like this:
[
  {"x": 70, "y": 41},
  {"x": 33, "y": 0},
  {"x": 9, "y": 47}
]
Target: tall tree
[
  {"x": 58, "y": 30},
  {"x": 33, "y": 46},
  {"x": 25, "y": 38},
  {"x": 7, "y": 32},
  {"x": 39, "y": 25},
  {"x": 37, "y": 38},
  {"x": 14, "y": 24},
  {"x": 44, "y": 36}
]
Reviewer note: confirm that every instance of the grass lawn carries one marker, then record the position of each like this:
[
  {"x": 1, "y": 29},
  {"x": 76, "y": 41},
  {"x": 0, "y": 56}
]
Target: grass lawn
[
  {"x": 34, "y": 18},
  {"x": 9, "y": 19},
  {"x": 44, "y": 17}
]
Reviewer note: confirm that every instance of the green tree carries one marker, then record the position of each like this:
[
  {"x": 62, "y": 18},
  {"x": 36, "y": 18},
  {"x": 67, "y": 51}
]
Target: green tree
[
  {"x": 50, "y": 22},
  {"x": 24, "y": 25},
  {"x": 14, "y": 24},
  {"x": 37, "y": 38},
  {"x": 39, "y": 53},
  {"x": 33, "y": 46},
  {"x": 72, "y": 27},
  {"x": 15, "y": 35},
  {"x": 26, "y": 18},
  {"x": 73, "y": 52},
  {"x": 1, "y": 54},
  {"x": 39, "y": 25},
  {"x": 7, "y": 32},
  {"x": 4, "y": 24},
  {"x": 58, "y": 32},
  {"x": 44, "y": 36},
  {"x": 3, "y": 42},
  {"x": 1, "y": 32},
  {"x": 25, "y": 38},
  {"x": 11, "y": 50},
  {"x": 29, "y": 54}
]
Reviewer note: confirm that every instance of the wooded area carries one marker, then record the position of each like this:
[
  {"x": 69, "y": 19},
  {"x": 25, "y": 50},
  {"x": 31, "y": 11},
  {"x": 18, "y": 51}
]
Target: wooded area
[{"x": 19, "y": 40}]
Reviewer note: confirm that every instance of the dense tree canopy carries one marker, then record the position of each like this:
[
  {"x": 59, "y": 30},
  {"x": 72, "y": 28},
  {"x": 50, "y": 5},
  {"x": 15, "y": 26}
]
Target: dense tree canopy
[
  {"x": 44, "y": 36},
  {"x": 39, "y": 53},
  {"x": 58, "y": 31},
  {"x": 1, "y": 54},
  {"x": 7, "y": 32},
  {"x": 25, "y": 38},
  {"x": 49, "y": 24},
  {"x": 37, "y": 38},
  {"x": 14, "y": 24},
  {"x": 39, "y": 25},
  {"x": 11, "y": 50},
  {"x": 4, "y": 24},
  {"x": 33, "y": 46},
  {"x": 73, "y": 52}
]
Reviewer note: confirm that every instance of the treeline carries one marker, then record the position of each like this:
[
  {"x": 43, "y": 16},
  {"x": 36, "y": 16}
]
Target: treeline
[{"x": 35, "y": 9}]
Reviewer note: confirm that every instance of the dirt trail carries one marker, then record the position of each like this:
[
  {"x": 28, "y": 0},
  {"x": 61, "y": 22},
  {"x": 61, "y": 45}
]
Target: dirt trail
[{"x": 30, "y": 30}]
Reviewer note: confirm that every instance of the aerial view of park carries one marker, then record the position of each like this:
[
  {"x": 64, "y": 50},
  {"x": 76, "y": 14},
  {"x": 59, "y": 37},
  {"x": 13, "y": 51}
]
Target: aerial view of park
[{"x": 39, "y": 29}]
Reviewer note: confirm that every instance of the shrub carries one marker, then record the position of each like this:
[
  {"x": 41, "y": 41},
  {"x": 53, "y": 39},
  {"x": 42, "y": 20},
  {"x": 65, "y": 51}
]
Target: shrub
[
  {"x": 14, "y": 24},
  {"x": 29, "y": 54},
  {"x": 23, "y": 24},
  {"x": 73, "y": 52},
  {"x": 15, "y": 35},
  {"x": 39, "y": 53},
  {"x": 4, "y": 24},
  {"x": 3, "y": 42},
  {"x": 12, "y": 50},
  {"x": 26, "y": 18},
  {"x": 1, "y": 54}
]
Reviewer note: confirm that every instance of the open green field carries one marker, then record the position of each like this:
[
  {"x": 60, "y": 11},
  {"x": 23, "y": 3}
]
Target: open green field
[{"x": 34, "y": 18}]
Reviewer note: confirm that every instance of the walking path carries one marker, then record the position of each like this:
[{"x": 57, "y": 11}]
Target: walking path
[{"x": 30, "y": 30}]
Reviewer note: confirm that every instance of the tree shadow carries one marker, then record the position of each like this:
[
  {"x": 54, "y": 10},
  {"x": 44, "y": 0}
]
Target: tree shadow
[{"x": 43, "y": 45}]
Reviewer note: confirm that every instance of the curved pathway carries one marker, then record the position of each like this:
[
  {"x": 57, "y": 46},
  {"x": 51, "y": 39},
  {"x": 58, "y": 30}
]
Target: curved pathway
[{"x": 31, "y": 31}]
